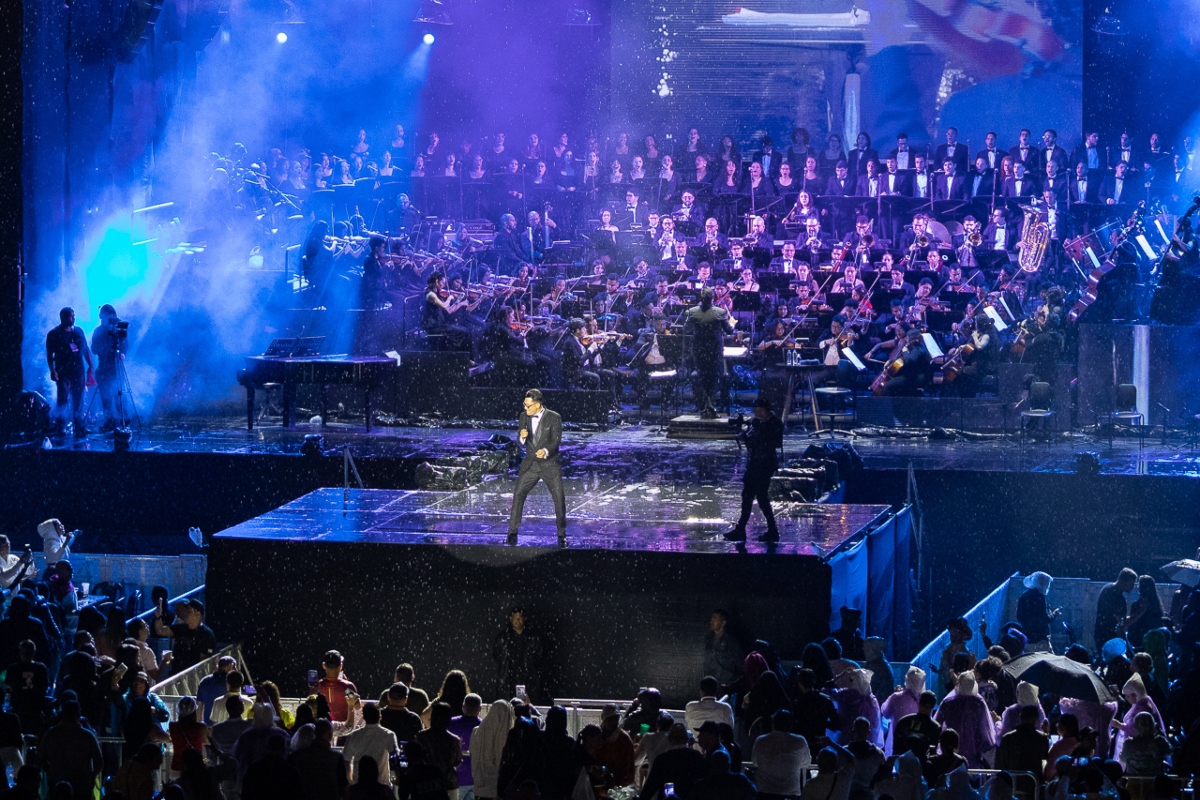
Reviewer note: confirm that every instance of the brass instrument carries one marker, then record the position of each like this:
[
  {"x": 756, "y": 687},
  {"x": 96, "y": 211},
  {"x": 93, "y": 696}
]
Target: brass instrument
[
  {"x": 866, "y": 242},
  {"x": 975, "y": 239},
  {"x": 812, "y": 243},
  {"x": 1035, "y": 238},
  {"x": 921, "y": 242}
]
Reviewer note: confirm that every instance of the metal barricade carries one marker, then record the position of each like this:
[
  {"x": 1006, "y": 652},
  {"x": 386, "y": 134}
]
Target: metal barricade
[{"x": 1025, "y": 784}]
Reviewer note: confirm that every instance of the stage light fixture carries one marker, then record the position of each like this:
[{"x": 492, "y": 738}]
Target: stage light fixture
[
  {"x": 428, "y": 38},
  {"x": 281, "y": 37},
  {"x": 433, "y": 12}
]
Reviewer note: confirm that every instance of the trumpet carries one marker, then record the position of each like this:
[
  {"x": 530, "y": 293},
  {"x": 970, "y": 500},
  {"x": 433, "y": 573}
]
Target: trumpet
[{"x": 812, "y": 243}]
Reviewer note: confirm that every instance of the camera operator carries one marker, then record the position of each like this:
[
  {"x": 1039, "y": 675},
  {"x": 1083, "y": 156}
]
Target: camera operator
[
  {"x": 763, "y": 436},
  {"x": 108, "y": 343}
]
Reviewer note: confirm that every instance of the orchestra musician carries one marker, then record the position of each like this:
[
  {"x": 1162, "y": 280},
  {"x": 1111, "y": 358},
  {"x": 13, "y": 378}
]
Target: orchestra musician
[
  {"x": 922, "y": 181},
  {"x": 1084, "y": 188},
  {"x": 978, "y": 353},
  {"x": 983, "y": 179},
  {"x": 666, "y": 242},
  {"x": 912, "y": 368},
  {"x": 1024, "y": 151},
  {"x": 953, "y": 150},
  {"x": 895, "y": 182},
  {"x": 837, "y": 367},
  {"x": 440, "y": 307},
  {"x": 372, "y": 287},
  {"x": 901, "y": 154},
  {"x": 745, "y": 281},
  {"x": 558, "y": 293},
  {"x": 999, "y": 235},
  {"x": 918, "y": 237},
  {"x": 860, "y": 156},
  {"x": 687, "y": 214},
  {"x": 811, "y": 243},
  {"x": 738, "y": 260},
  {"x": 848, "y": 282},
  {"x": 991, "y": 154},
  {"x": 679, "y": 260},
  {"x": 635, "y": 211},
  {"x": 868, "y": 183},
  {"x": 895, "y": 283},
  {"x": 787, "y": 262},
  {"x": 952, "y": 186},
  {"x": 722, "y": 298},
  {"x": 712, "y": 241}
]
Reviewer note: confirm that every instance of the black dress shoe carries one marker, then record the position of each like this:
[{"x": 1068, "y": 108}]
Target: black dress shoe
[
  {"x": 736, "y": 535},
  {"x": 769, "y": 536}
]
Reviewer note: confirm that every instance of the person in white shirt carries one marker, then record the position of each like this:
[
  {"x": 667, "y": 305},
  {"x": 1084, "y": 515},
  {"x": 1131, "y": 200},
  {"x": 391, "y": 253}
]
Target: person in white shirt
[
  {"x": 835, "y": 767},
  {"x": 370, "y": 740},
  {"x": 56, "y": 542},
  {"x": 781, "y": 758},
  {"x": 697, "y": 712},
  {"x": 12, "y": 567}
]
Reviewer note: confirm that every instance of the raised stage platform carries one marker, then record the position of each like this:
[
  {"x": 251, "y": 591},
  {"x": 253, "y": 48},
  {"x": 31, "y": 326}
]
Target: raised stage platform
[{"x": 426, "y": 577}]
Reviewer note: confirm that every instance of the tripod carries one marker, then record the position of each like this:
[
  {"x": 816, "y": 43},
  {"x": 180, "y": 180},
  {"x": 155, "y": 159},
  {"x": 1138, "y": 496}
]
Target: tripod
[{"x": 124, "y": 394}]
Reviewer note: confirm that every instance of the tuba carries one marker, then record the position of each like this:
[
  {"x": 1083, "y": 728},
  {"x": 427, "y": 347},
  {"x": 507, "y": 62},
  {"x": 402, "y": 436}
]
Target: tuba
[{"x": 1035, "y": 238}]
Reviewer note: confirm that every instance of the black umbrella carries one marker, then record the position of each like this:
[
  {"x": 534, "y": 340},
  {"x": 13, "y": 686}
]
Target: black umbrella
[{"x": 1059, "y": 675}]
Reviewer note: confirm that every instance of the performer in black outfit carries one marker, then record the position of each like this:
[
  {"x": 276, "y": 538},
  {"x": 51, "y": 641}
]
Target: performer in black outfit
[
  {"x": 372, "y": 294},
  {"x": 439, "y": 308},
  {"x": 915, "y": 373},
  {"x": 67, "y": 352},
  {"x": 707, "y": 325},
  {"x": 763, "y": 437},
  {"x": 109, "y": 349},
  {"x": 540, "y": 433}
]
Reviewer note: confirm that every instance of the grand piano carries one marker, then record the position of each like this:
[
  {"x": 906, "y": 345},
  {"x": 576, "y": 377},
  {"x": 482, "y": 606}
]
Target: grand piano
[{"x": 282, "y": 365}]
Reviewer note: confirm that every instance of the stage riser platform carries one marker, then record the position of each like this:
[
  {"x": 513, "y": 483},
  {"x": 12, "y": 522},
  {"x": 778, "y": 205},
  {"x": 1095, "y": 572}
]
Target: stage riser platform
[{"x": 612, "y": 620}]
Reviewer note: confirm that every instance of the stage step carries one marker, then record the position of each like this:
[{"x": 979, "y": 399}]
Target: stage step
[{"x": 691, "y": 426}]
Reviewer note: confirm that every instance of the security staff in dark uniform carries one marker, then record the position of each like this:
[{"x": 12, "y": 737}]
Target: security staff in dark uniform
[
  {"x": 67, "y": 354},
  {"x": 707, "y": 325},
  {"x": 109, "y": 349},
  {"x": 763, "y": 437}
]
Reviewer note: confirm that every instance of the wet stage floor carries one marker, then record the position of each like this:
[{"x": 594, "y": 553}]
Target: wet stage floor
[
  {"x": 641, "y": 452},
  {"x": 667, "y": 519}
]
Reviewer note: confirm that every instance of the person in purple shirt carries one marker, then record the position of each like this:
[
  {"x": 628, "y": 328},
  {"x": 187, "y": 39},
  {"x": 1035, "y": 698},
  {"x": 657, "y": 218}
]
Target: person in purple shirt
[
  {"x": 966, "y": 712},
  {"x": 462, "y": 726}
]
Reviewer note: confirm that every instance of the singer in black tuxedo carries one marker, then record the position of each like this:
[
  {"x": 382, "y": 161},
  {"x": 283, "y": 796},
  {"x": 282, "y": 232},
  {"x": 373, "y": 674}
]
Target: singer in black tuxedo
[{"x": 540, "y": 434}]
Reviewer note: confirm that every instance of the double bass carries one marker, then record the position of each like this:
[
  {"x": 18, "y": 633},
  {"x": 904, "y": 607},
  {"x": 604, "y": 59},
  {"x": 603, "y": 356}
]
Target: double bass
[{"x": 1089, "y": 293}]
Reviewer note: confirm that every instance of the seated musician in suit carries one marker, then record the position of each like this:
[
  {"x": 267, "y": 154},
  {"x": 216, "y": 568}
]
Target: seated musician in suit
[
  {"x": 840, "y": 184},
  {"x": 999, "y": 235},
  {"x": 680, "y": 260},
  {"x": 1083, "y": 188},
  {"x": 579, "y": 371},
  {"x": 894, "y": 282},
  {"x": 688, "y": 212},
  {"x": 1055, "y": 183},
  {"x": 983, "y": 179},
  {"x": 952, "y": 185},
  {"x": 635, "y": 211},
  {"x": 1116, "y": 187},
  {"x": 712, "y": 241},
  {"x": 511, "y": 252},
  {"x": 918, "y": 232},
  {"x": 869, "y": 183},
  {"x": 738, "y": 260},
  {"x": 786, "y": 263},
  {"x": 895, "y": 183},
  {"x": 810, "y": 244},
  {"x": 1020, "y": 185}
]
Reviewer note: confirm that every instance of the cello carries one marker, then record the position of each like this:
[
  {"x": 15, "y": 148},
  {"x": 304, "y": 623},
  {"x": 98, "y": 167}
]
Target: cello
[{"x": 1089, "y": 293}]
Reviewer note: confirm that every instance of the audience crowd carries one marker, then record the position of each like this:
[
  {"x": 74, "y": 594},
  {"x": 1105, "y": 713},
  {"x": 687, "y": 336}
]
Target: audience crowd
[{"x": 835, "y": 725}]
